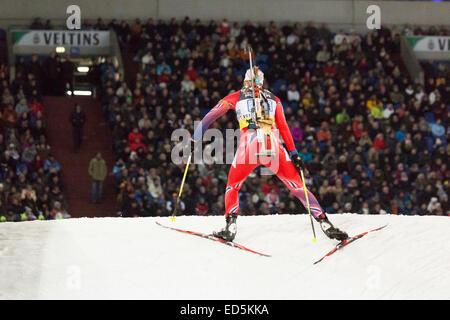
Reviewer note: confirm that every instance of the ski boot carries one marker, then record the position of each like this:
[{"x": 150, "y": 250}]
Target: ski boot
[
  {"x": 229, "y": 232},
  {"x": 330, "y": 230}
]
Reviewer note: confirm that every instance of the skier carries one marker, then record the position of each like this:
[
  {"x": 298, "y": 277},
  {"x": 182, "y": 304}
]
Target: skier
[{"x": 285, "y": 165}]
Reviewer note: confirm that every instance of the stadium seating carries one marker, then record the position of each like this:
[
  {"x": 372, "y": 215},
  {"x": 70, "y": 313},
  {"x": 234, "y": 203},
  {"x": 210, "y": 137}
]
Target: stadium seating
[{"x": 359, "y": 79}]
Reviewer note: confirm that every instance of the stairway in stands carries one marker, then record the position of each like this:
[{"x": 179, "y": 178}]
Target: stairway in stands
[
  {"x": 130, "y": 67},
  {"x": 97, "y": 138}
]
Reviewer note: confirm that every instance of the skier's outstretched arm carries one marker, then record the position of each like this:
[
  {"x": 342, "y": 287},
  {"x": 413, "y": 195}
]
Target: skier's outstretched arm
[{"x": 220, "y": 109}]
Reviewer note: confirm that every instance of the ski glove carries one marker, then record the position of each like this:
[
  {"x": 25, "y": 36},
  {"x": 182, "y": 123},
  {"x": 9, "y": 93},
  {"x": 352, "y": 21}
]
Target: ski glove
[{"x": 298, "y": 163}]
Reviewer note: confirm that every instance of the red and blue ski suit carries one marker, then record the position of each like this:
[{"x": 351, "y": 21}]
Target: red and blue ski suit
[{"x": 245, "y": 159}]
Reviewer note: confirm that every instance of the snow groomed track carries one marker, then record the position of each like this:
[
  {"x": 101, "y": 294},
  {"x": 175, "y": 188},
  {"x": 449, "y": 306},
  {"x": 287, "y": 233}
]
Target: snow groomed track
[{"x": 117, "y": 258}]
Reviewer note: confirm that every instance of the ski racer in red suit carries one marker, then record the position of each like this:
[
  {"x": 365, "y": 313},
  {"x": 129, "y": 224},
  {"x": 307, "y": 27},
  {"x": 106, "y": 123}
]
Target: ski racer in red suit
[{"x": 284, "y": 164}]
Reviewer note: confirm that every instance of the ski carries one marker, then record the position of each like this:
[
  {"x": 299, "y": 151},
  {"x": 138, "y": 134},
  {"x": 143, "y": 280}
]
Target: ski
[
  {"x": 214, "y": 238},
  {"x": 344, "y": 243}
]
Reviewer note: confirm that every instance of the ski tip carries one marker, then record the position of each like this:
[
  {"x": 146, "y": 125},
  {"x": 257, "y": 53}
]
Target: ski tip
[{"x": 382, "y": 227}]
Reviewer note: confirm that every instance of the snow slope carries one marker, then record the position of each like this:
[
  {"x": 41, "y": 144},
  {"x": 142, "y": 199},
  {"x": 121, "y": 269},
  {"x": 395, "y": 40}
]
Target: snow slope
[{"x": 114, "y": 258}]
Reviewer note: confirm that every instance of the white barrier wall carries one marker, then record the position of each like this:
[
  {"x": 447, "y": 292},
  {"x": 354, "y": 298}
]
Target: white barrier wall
[
  {"x": 402, "y": 12},
  {"x": 333, "y": 12}
]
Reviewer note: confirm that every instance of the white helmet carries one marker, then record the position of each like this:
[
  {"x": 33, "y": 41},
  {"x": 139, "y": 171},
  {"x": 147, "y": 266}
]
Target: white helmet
[{"x": 258, "y": 74}]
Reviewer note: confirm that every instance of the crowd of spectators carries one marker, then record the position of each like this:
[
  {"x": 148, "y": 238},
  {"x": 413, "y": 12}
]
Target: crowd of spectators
[
  {"x": 373, "y": 140},
  {"x": 426, "y": 30},
  {"x": 53, "y": 74},
  {"x": 30, "y": 185}
]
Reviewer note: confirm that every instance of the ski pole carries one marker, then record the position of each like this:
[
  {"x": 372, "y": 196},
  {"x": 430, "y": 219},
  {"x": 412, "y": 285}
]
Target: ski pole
[
  {"x": 181, "y": 188},
  {"x": 307, "y": 203},
  {"x": 253, "y": 110}
]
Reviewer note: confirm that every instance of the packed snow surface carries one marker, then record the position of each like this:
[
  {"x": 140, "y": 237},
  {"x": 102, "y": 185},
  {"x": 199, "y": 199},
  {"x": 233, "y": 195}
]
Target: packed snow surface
[{"x": 119, "y": 258}]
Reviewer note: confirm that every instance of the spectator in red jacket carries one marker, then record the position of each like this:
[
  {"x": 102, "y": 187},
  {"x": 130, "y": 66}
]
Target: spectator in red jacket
[
  {"x": 330, "y": 69},
  {"x": 324, "y": 133},
  {"x": 269, "y": 186},
  {"x": 379, "y": 143},
  {"x": 135, "y": 140},
  {"x": 134, "y": 135},
  {"x": 164, "y": 77},
  {"x": 35, "y": 106},
  {"x": 10, "y": 116},
  {"x": 191, "y": 72},
  {"x": 358, "y": 128},
  {"x": 138, "y": 144},
  {"x": 225, "y": 27},
  {"x": 202, "y": 207}
]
